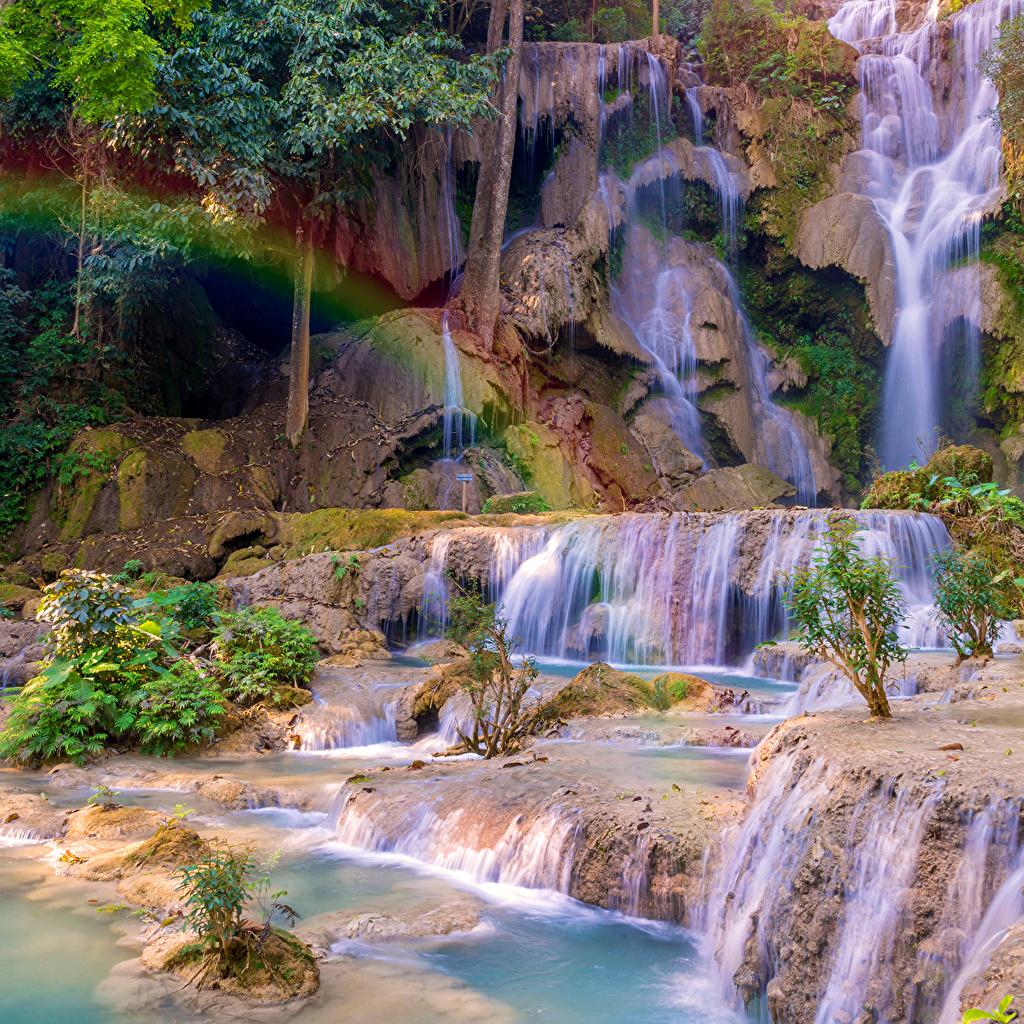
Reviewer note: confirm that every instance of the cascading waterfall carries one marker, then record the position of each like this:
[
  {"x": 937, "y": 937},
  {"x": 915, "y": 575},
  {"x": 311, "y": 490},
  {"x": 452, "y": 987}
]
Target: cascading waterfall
[
  {"x": 336, "y": 727},
  {"x": 932, "y": 169},
  {"x": 685, "y": 588},
  {"x": 459, "y": 424},
  {"x": 534, "y": 853},
  {"x": 752, "y": 897},
  {"x": 660, "y": 319},
  {"x": 730, "y": 201}
]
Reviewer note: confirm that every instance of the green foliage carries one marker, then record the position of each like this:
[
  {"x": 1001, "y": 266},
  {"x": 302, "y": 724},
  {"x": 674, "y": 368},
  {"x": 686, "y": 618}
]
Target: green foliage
[
  {"x": 260, "y": 651},
  {"x": 217, "y": 892},
  {"x": 527, "y": 503},
  {"x": 571, "y": 31},
  {"x": 847, "y": 609},
  {"x": 1003, "y": 1014},
  {"x": 611, "y": 25},
  {"x": 970, "y": 600},
  {"x": 103, "y": 796},
  {"x": 43, "y": 403},
  {"x": 1004, "y": 64},
  {"x": 130, "y": 571},
  {"x": 104, "y": 55},
  {"x": 190, "y": 606},
  {"x": 86, "y": 610},
  {"x": 496, "y": 687},
  {"x": 177, "y": 709},
  {"x": 344, "y": 567},
  {"x": 113, "y": 679}
]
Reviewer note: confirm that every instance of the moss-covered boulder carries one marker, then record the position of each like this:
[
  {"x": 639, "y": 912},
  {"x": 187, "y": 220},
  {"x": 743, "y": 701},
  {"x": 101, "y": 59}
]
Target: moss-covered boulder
[
  {"x": 522, "y": 503},
  {"x": 597, "y": 691},
  {"x": 915, "y": 488},
  {"x": 86, "y": 467},
  {"x": 679, "y": 691}
]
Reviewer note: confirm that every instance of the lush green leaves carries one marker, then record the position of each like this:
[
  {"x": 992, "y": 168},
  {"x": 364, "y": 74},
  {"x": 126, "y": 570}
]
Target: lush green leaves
[
  {"x": 260, "y": 651},
  {"x": 847, "y": 608},
  {"x": 970, "y": 600}
]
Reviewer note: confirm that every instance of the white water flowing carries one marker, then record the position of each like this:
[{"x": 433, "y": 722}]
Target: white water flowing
[
  {"x": 931, "y": 169},
  {"x": 684, "y": 589},
  {"x": 534, "y": 854},
  {"x": 730, "y": 200},
  {"x": 459, "y": 424},
  {"x": 336, "y": 727}
]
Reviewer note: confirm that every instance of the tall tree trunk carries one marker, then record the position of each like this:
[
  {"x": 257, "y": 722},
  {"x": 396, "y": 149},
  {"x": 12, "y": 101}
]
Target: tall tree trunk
[
  {"x": 479, "y": 297},
  {"x": 656, "y": 20},
  {"x": 76, "y": 327},
  {"x": 298, "y": 374}
]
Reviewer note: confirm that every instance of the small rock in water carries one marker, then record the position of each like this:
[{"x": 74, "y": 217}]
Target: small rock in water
[
  {"x": 417, "y": 765},
  {"x": 512, "y": 764},
  {"x": 952, "y": 746}
]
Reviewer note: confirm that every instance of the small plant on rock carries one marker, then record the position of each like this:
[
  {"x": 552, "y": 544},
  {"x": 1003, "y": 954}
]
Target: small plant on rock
[
  {"x": 261, "y": 653},
  {"x": 847, "y": 608},
  {"x": 970, "y": 601},
  {"x": 1003, "y": 1014},
  {"x": 496, "y": 686},
  {"x": 217, "y": 892}
]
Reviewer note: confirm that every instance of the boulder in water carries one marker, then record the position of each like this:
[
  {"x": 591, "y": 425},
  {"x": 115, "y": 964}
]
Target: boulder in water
[{"x": 599, "y": 690}]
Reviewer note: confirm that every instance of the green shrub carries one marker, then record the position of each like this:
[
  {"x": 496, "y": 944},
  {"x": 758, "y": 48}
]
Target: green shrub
[
  {"x": 847, "y": 609},
  {"x": 190, "y": 606},
  {"x": 260, "y": 651},
  {"x": 218, "y": 893},
  {"x": 525, "y": 503},
  {"x": 178, "y": 708},
  {"x": 970, "y": 601},
  {"x": 1003, "y": 1014},
  {"x": 113, "y": 678},
  {"x": 611, "y": 25},
  {"x": 130, "y": 571}
]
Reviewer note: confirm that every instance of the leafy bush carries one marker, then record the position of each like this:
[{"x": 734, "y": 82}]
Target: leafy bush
[
  {"x": 113, "y": 678},
  {"x": 1003, "y": 1014},
  {"x": 86, "y": 609},
  {"x": 130, "y": 571},
  {"x": 611, "y": 25},
  {"x": 178, "y": 708},
  {"x": 190, "y": 606},
  {"x": 217, "y": 892},
  {"x": 496, "y": 688},
  {"x": 970, "y": 601},
  {"x": 847, "y": 608},
  {"x": 526, "y": 503},
  {"x": 260, "y": 651}
]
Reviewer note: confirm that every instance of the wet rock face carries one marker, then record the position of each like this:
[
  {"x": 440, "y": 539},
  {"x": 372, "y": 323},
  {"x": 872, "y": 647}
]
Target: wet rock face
[{"x": 859, "y": 882}]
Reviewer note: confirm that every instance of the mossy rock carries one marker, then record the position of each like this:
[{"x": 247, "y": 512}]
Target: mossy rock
[
  {"x": 903, "y": 488},
  {"x": 173, "y": 845},
  {"x": 14, "y": 597},
  {"x": 521, "y": 503},
  {"x": 534, "y": 448},
  {"x": 599, "y": 690},
  {"x": 151, "y": 487},
  {"x": 341, "y": 529},
  {"x": 265, "y": 967},
  {"x": 90, "y": 458},
  {"x": 683, "y": 692},
  {"x": 963, "y": 461},
  {"x": 205, "y": 448}
]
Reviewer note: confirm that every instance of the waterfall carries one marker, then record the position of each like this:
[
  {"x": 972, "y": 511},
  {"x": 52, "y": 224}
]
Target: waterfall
[
  {"x": 458, "y": 421},
  {"x": 663, "y": 329},
  {"x": 535, "y": 853},
  {"x": 452, "y": 228},
  {"x": 932, "y": 169},
  {"x": 333, "y": 728},
  {"x": 780, "y": 446},
  {"x": 680, "y": 588},
  {"x": 864, "y": 860},
  {"x": 730, "y": 201}
]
